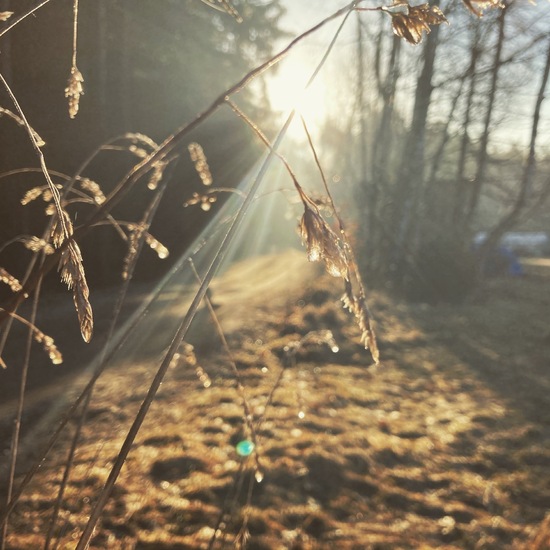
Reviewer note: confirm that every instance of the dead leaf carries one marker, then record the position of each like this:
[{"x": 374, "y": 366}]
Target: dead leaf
[
  {"x": 477, "y": 6},
  {"x": 410, "y": 22}
]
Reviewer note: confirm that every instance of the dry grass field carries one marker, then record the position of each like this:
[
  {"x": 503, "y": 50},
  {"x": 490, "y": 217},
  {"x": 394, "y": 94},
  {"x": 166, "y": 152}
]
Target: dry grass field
[{"x": 445, "y": 444}]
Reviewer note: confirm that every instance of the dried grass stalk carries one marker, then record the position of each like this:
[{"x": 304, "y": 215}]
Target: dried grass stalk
[
  {"x": 75, "y": 85},
  {"x": 35, "y": 244},
  {"x": 46, "y": 341},
  {"x": 10, "y": 280},
  {"x": 74, "y": 89},
  {"x": 135, "y": 233},
  {"x": 205, "y": 200},
  {"x": 43, "y": 191},
  {"x": 94, "y": 189},
  {"x": 156, "y": 175},
  {"x": 157, "y": 246},
  {"x": 49, "y": 346},
  {"x": 39, "y": 141},
  {"x": 201, "y": 164},
  {"x": 62, "y": 227},
  {"x": 322, "y": 242},
  {"x": 72, "y": 274},
  {"x": 358, "y": 306}
]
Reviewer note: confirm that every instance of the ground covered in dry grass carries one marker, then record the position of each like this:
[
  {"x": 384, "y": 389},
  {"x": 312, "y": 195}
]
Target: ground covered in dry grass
[{"x": 446, "y": 444}]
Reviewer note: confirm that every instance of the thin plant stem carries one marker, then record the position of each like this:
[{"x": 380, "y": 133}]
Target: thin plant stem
[
  {"x": 23, "y": 16},
  {"x": 234, "y": 489},
  {"x": 19, "y": 413},
  {"x": 238, "y": 380},
  {"x": 55, "y": 192},
  {"x": 75, "y": 31},
  {"x": 67, "y": 471}
]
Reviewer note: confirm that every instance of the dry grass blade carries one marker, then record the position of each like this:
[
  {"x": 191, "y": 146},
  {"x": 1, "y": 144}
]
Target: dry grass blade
[
  {"x": 72, "y": 274},
  {"x": 541, "y": 538}
]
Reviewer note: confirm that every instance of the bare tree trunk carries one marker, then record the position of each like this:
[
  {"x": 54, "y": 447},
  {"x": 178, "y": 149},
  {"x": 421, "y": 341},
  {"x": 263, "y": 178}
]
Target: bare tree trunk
[
  {"x": 381, "y": 147},
  {"x": 461, "y": 182},
  {"x": 528, "y": 174},
  {"x": 434, "y": 200},
  {"x": 365, "y": 193},
  {"x": 411, "y": 173},
  {"x": 482, "y": 156}
]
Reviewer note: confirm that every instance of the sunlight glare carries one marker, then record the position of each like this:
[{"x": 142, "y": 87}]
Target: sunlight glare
[{"x": 287, "y": 91}]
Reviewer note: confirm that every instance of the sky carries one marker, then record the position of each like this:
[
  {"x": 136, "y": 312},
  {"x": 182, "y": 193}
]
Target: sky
[{"x": 303, "y": 14}]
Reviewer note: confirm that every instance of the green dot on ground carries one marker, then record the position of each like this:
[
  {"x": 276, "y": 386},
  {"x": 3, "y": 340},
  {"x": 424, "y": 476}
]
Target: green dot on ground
[{"x": 244, "y": 448}]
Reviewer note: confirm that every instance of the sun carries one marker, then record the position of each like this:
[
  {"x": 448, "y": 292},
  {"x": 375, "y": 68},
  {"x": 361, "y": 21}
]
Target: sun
[{"x": 287, "y": 90}]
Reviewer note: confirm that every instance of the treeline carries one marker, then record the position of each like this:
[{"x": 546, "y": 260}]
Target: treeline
[{"x": 445, "y": 138}]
